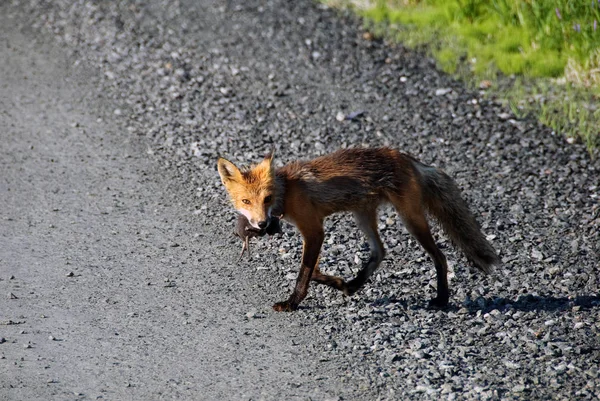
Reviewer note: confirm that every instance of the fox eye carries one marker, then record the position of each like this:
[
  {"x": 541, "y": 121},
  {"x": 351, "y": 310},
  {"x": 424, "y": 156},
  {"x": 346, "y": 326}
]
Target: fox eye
[
  {"x": 245, "y": 201},
  {"x": 268, "y": 199}
]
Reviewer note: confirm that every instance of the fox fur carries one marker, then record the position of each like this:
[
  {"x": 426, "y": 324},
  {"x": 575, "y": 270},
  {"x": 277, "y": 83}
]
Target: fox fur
[{"x": 357, "y": 180}]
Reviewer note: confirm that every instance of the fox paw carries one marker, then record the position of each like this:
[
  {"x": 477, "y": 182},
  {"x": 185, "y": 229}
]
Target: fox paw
[
  {"x": 284, "y": 306},
  {"x": 352, "y": 287},
  {"x": 438, "y": 303}
]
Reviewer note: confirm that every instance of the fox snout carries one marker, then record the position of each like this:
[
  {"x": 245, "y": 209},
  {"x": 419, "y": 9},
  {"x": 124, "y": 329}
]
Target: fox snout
[{"x": 257, "y": 222}]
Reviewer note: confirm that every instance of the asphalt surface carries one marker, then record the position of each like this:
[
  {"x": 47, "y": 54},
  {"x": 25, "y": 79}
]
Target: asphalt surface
[{"x": 118, "y": 270}]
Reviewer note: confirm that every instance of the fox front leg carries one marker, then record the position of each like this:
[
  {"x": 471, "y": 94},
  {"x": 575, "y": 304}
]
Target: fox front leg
[{"x": 310, "y": 257}]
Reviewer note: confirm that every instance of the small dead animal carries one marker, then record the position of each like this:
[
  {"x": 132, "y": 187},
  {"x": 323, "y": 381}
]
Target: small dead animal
[{"x": 244, "y": 230}]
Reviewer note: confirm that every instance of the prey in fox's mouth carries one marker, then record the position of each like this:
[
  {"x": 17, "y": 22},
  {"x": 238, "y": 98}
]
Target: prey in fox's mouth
[{"x": 244, "y": 230}]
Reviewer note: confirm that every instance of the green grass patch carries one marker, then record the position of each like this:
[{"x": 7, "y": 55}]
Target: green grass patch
[
  {"x": 550, "y": 46},
  {"x": 494, "y": 30}
]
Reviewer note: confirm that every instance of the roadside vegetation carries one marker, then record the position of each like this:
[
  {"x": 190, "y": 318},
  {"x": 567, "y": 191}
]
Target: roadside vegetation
[{"x": 541, "y": 57}]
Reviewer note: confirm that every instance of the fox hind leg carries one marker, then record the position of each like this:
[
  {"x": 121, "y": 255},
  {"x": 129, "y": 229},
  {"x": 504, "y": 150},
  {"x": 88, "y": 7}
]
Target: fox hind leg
[
  {"x": 367, "y": 222},
  {"x": 332, "y": 281},
  {"x": 416, "y": 223}
]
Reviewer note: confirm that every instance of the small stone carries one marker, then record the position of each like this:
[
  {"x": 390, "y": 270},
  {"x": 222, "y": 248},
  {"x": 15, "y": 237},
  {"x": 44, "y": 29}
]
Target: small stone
[
  {"x": 561, "y": 368},
  {"x": 2, "y": 340},
  {"x": 70, "y": 274},
  {"x": 446, "y": 388},
  {"x": 340, "y": 116},
  {"x": 442, "y": 91},
  {"x": 519, "y": 388},
  {"x": 51, "y": 338},
  {"x": 12, "y": 296},
  {"x": 536, "y": 254},
  {"x": 421, "y": 389},
  {"x": 574, "y": 245},
  {"x": 26, "y": 346},
  {"x": 355, "y": 115}
]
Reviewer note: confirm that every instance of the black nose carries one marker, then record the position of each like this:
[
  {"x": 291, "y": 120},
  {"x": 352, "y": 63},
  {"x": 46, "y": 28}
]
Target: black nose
[{"x": 262, "y": 224}]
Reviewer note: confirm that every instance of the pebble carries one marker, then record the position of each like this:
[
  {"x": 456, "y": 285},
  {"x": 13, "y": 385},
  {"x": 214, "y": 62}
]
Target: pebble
[{"x": 519, "y": 388}]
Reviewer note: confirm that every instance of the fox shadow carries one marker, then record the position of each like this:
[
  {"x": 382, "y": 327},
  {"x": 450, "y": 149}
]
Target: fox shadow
[
  {"x": 524, "y": 303},
  {"x": 530, "y": 303}
]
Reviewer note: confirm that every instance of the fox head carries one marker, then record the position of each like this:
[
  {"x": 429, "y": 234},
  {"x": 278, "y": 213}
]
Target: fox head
[{"x": 252, "y": 190}]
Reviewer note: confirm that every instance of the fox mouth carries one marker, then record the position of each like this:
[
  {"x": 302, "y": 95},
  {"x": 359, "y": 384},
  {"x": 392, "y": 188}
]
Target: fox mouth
[{"x": 272, "y": 226}]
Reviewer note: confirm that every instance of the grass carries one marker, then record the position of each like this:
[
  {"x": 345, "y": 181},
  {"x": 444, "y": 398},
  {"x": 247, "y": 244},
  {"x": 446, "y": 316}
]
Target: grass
[{"x": 549, "y": 50}]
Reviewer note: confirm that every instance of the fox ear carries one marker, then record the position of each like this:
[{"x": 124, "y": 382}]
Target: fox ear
[
  {"x": 228, "y": 171},
  {"x": 268, "y": 160},
  {"x": 269, "y": 156}
]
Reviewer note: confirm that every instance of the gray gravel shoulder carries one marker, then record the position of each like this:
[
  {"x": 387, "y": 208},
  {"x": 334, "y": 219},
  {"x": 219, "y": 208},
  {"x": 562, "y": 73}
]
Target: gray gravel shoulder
[{"x": 193, "y": 80}]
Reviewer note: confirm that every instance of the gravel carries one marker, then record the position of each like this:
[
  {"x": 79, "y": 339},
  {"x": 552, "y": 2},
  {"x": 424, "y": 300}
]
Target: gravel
[{"x": 194, "y": 80}]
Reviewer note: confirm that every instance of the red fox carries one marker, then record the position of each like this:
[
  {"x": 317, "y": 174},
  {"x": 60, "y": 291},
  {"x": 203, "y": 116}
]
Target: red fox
[{"x": 357, "y": 180}]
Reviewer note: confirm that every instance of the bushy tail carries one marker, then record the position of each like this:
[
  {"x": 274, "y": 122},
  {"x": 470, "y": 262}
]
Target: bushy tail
[{"x": 444, "y": 203}]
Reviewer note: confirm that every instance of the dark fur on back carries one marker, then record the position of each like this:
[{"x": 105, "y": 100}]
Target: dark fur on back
[{"x": 349, "y": 179}]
